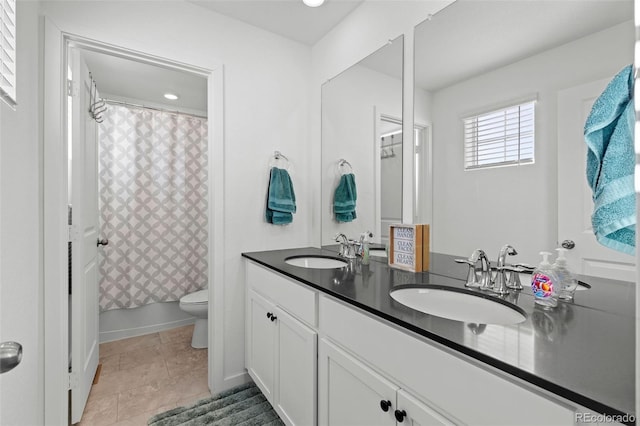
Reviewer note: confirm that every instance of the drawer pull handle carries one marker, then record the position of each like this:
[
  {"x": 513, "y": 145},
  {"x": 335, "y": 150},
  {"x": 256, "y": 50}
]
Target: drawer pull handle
[
  {"x": 385, "y": 405},
  {"x": 273, "y": 318},
  {"x": 400, "y": 415},
  {"x": 269, "y": 315}
]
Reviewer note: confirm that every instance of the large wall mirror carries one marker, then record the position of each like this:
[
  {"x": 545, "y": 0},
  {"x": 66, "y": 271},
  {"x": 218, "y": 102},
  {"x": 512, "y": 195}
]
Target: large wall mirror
[
  {"x": 475, "y": 57},
  {"x": 362, "y": 125}
]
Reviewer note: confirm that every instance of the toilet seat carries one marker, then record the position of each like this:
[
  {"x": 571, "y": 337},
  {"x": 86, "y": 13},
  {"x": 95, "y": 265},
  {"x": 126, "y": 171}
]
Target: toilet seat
[{"x": 200, "y": 297}]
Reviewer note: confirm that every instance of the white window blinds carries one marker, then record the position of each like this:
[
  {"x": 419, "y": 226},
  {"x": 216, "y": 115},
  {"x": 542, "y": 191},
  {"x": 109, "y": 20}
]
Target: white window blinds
[
  {"x": 501, "y": 137},
  {"x": 8, "y": 51}
]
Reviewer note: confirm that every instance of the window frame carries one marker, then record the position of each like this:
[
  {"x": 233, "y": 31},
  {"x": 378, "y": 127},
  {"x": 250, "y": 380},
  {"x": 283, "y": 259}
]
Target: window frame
[
  {"x": 516, "y": 128},
  {"x": 8, "y": 52}
]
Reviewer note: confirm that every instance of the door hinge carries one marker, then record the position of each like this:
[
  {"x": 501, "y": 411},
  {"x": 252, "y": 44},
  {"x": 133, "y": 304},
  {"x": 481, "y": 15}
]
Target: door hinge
[
  {"x": 73, "y": 233},
  {"x": 72, "y": 88},
  {"x": 74, "y": 381}
]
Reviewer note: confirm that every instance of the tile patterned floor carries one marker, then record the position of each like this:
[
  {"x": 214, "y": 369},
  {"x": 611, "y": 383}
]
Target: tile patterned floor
[{"x": 145, "y": 375}]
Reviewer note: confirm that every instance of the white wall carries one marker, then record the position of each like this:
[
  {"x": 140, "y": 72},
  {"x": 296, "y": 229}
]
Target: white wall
[
  {"x": 21, "y": 390},
  {"x": 266, "y": 109},
  {"x": 348, "y": 131},
  {"x": 516, "y": 205},
  {"x": 364, "y": 31}
]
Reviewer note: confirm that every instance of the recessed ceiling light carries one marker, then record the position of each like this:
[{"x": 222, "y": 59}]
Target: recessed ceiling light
[
  {"x": 171, "y": 96},
  {"x": 313, "y": 3}
]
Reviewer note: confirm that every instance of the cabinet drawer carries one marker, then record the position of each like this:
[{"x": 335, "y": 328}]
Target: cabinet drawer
[
  {"x": 459, "y": 387},
  {"x": 294, "y": 298}
]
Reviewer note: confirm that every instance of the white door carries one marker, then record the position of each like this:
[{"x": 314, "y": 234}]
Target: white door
[
  {"x": 262, "y": 332},
  {"x": 575, "y": 203},
  {"x": 84, "y": 234},
  {"x": 296, "y": 371},
  {"x": 351, "y": 393}
]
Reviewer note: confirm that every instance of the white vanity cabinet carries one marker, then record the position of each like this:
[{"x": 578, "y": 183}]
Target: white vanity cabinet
[
  {"x": 322, "y": 361},
  {"x": 281, "y": 351},
  {"x": 353, "y": 394}
]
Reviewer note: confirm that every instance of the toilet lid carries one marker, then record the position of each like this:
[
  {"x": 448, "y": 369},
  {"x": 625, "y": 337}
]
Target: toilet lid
[{"x": 198, "y": 297}]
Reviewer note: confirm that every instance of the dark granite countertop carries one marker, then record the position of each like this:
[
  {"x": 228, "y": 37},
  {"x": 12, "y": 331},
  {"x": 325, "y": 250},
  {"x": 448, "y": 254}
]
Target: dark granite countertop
[{"x": 583, "y": 351}]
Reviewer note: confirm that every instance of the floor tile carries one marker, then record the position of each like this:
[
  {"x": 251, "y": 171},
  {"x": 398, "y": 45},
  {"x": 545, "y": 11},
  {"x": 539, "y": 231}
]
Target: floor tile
[
  {"x": 124, "y": 380},
  {"x": 187, "y": 361},
  {"x": 100, "y": 411},
  {"x": 178, "y": 334},
  {"x": 129, "y": 344},
  {"x": 144, "y": 399},
  {"x": 139, "y": 357},
  {"x": 145, "y": 375}
]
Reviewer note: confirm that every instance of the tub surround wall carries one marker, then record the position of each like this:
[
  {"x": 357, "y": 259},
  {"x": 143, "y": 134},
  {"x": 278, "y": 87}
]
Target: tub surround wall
[{"x": 119, "y": 324}]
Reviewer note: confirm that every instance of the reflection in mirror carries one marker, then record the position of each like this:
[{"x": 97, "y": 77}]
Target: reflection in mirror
[
  {"x": 362, "y": 123},
  {"x": 475, "y": 57}
]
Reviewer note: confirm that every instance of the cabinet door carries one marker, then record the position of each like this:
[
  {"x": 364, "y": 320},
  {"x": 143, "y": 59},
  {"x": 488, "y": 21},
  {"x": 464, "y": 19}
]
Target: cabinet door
[
  {"x": 350, "y": 393},
  {"x": 418, "y": 414},
  {"x": 296, "y": 371},
  {"x": 261, "y": 340}
]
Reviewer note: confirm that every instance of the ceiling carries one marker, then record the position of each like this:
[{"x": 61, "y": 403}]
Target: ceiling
[
  {"x": 510, "y": 31},
  {"x": 288, "y": 18},
  {"x": 124, "y": 79}
]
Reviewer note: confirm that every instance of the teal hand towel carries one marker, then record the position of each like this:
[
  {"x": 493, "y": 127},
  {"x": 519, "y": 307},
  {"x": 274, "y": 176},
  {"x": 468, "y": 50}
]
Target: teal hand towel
[
  {"x": 344, "y": 198},
  {"x": 608, "y": 133},
  {"x": 281, "y": 198}
]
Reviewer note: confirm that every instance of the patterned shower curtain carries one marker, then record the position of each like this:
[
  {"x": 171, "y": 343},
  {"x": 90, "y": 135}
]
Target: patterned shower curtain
[{"x": 153, "y": 206}]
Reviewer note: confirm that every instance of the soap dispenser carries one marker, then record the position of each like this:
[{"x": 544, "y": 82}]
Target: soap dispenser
[
  {"x": 364, "y": 241},
  {"x": 566, "y": 280},
  {"x": 545, "y": 283}
]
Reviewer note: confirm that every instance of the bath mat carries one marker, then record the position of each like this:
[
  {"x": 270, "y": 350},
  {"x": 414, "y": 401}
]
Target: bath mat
[{"x": 243, "y": 405}]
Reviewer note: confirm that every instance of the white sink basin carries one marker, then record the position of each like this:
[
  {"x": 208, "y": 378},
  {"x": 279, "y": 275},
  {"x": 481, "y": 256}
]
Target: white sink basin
[
  {"x": 458, "y": 304},
  {"x": 316, "y": 262}
]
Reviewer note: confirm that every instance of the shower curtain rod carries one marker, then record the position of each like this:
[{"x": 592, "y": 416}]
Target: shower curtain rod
[{"x": 111, "y": 101}]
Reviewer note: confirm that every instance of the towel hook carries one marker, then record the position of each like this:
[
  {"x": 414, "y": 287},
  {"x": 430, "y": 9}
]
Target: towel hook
[
  {"x": 342, "y": 163},
  {"x": 277, "y": 155}
]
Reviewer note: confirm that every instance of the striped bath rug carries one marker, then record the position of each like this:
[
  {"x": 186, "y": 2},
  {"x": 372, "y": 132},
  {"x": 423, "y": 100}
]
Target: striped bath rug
[{"x": 243, "y": 405}]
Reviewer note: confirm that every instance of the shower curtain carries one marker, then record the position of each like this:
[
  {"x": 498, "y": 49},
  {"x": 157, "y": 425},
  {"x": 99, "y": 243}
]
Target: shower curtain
[{"x": 153, "y": 206}]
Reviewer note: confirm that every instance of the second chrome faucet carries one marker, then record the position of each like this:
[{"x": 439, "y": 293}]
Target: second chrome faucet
[{"x": 500, "y": 284}]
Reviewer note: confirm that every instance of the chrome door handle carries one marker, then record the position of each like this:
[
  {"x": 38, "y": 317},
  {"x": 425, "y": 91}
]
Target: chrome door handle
[
  {"x": 568, "y": 244},
  {"x": 10, "y": 356}
]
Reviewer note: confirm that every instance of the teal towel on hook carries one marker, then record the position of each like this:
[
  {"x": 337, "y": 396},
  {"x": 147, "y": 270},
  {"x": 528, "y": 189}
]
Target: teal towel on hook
[
  {"x": 608, "y": 133},
  {"x": 281, "y": 199},
  {"x": 344, "y": 198}
]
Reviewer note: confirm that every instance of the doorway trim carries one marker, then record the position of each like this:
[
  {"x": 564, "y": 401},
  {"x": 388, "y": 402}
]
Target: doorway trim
[{"x": 55, "y": 228}]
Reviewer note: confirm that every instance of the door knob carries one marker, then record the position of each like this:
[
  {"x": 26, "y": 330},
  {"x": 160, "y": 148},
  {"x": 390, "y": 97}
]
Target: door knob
[
  {"x": 10, "y": 356},
  {"x": 385, "y": 405},
  {"x": 568, "y": 244},
  {"x": 102, "y": 242}
]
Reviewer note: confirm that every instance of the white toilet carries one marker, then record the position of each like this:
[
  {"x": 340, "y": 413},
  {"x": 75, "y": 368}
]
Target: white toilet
[{"x": 197, "y": 304}]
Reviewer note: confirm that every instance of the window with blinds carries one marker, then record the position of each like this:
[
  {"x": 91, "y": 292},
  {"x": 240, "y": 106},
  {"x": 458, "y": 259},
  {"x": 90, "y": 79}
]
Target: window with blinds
[
  {"x": 500, "y": 138},
  {"x": 8, "y": 51}
]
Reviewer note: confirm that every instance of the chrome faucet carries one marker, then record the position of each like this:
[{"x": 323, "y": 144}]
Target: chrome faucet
[
  {"x": 500, "y": 284},
  {"x": 485, "y": 275},
  {"x": 347, "y": 246}
]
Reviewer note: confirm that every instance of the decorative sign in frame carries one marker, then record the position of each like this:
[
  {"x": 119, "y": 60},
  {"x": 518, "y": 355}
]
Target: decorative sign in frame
[{"x": 409, "y": 247}]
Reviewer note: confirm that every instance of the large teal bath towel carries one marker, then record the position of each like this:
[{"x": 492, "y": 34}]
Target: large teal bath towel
[
  {"x": 608, "y": 133},
  {"x": 281, "y": 199},
  {"x": 344, "y": 198}
]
